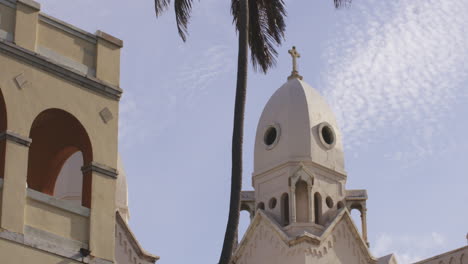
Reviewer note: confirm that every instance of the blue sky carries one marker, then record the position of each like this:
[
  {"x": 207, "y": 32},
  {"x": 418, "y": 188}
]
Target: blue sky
[{"x": 395, "y": 73}]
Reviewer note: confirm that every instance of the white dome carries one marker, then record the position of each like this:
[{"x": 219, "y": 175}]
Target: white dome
[
  {"x": 297, "y": 124},
  {"x": 121, "y": 194}
]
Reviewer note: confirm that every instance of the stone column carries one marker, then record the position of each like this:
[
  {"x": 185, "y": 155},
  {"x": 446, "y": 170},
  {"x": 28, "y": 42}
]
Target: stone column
[
  {"x": 292, "y": 203},
  {"x": 364, "y": 225},
  {"x": 311, "y": 203},
  {"x": 102, "y": 211},
  {"x": 14, "y": 181}
]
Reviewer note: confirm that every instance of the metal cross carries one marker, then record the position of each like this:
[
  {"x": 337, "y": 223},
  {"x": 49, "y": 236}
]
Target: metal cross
[{"x": 294, "y": 55}]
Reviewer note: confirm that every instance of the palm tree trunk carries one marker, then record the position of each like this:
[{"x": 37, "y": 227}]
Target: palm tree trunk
[{"x": 237, "y": 137}]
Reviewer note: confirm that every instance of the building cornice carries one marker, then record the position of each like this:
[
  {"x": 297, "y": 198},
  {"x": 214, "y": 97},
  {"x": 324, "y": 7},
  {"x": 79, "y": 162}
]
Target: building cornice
[
  {"x": 101, "y": 169},
  {"x": 41, "y": 62},
  {"x": 13, "y": 137}
]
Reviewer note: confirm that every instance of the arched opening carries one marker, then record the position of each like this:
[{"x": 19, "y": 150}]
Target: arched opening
[
  {"x": 69, "y": 182},
  {"x": 340, "y": 205},
  {"x": 356, "y": 211},
  {"x": 3, "y": 128},
  {"x": 302, "y": 202},
  {"x": 317, "y": 207},
  {"x": 56, "y": 136},
  {"x": 261, "y": 206},
  {"x": 285, "y": 209}
]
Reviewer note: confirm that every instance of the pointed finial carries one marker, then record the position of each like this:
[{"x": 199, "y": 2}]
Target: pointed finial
[{"x": 294, "y": 55}]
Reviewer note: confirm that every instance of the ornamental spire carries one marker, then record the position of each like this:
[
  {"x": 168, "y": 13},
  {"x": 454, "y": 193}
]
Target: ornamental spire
[{"x": 294, "y": 55}]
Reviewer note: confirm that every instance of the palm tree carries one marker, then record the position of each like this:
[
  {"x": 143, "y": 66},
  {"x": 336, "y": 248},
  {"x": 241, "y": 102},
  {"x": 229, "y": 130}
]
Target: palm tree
[{"x": 261, "y": 27}]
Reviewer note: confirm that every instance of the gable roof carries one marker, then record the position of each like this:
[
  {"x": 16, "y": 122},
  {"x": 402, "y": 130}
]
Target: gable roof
[{"x": 305, "y": 237}]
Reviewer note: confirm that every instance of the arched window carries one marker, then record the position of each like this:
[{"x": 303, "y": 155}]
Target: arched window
[
  {"x": 261, "y": 206},
  {"x": 340, "y": 205},
  {"x": 302, "y": 202},
  {"x": 56, "y": 136},
  {"x": 3, "y": 128},
  {"x": 317, "y": 207},
  {"x": 285, "y": 209}
]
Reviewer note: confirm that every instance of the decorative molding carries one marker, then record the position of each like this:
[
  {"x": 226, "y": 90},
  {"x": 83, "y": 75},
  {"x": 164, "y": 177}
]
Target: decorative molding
[
  {"x": 106, "y": 115},
  {"x": 109, "y": 38},
  {"x": 39, "y": 61},
  {"x": 9, "y": 3},
  {"x": 336, "y": 175},
  {"x": 62, "y": 204},
  {"x": 65, "y": 61},
  {"x": 13, "y": 137},
  {"x": 120, "y": 222},
  {"x": 51, "y": 243},
  {"x": 52, "y": 21},
  {"x": 30, "y": 3},
  {"x": 21, "y": 81},
  {"x": 100, "y": 168}
]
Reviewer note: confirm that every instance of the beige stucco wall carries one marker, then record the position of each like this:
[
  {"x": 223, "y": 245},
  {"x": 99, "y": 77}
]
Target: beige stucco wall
[
  {"x": 66, "y": 44},
  {"x": 56, "y": 220},
  {"x": 13, "y": 253},
  {"x": 46, "y": 89}
]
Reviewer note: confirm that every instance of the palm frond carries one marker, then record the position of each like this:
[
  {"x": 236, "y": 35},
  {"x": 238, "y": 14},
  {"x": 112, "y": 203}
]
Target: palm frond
[
  {"x": 266, "y": 30},
  {"x": 160, "y": 6},
  {"x": 183, "y": 9},
  {"x": 341, "y": 3}
]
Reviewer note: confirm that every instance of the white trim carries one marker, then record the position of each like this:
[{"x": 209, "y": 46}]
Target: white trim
[
  {"x": 52, "y": 201},
  {"x": 65, "y": 61}
]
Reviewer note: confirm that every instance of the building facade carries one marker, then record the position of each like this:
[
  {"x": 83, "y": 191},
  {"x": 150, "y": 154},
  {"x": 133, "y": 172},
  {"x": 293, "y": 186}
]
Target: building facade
[
  {"x": 300, "y": 207},
  {"x": 59, "y": 100}
]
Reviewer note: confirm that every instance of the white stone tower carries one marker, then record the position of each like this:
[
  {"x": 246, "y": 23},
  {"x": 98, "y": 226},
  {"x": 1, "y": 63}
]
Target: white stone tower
[{"x": 300, "y": 207}]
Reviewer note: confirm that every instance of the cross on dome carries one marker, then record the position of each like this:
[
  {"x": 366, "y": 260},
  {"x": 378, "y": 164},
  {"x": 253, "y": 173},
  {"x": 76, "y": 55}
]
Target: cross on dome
[{"x": 294, "y": 55}]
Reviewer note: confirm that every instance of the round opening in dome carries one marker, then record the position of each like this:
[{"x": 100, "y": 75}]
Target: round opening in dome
[
  {"x": 328, "y": 135},
  {"x": 272, "y": 203},
  {"x": 270, "y": 136}
]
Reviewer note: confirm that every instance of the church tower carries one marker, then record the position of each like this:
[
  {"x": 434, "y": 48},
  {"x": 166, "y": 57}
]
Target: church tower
[{"x": 300, "y": 206}]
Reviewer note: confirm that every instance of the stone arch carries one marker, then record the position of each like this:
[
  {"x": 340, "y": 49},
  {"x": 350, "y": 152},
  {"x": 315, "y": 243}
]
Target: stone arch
[
  {"x": 261, "y": 206},
  {"x": 462, "y": 259},
  {"x": 302, "y": 201},
  {"x": 3, "y": 129},
  {"x": 318, "y": 207},
  {"x": 246, "y": 207},
  {"x": 285, "y": 209},
  {"x": 56, "y": 135}
]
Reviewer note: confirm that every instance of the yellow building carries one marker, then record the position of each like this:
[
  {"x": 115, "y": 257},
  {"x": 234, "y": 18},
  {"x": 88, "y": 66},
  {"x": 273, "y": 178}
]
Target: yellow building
[{"x": 59, "y": 100}]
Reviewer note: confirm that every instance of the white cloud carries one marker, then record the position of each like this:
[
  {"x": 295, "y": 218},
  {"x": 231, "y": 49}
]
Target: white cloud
[
  {"x": 409, "y": 248},
  {"x": 398, "y": 63}
]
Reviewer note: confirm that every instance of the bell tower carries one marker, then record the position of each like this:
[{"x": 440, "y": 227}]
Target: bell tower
[{"x": 299, "y": 175}]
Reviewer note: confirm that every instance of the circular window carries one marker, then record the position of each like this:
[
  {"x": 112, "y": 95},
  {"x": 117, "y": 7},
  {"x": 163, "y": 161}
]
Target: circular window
[
  {"x": 329, "y": 202},
  {"x": 327, "y": 135},
  {"x": 272, "y": 203},
  {"x": 271, "y": 136}
]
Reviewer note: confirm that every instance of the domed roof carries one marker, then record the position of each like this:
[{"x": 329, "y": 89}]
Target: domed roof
[
  {"x": 121, "y": 193},
  {"x": 297, "y": 124}
]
